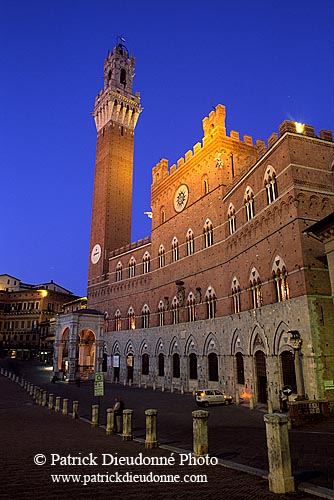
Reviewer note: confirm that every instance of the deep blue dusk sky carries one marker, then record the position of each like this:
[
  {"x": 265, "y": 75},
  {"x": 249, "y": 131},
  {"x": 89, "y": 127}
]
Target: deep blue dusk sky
[{"x": 266, "y": 61}]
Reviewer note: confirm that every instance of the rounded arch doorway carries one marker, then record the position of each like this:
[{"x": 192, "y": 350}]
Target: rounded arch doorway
[{"x": 86, "y": 355}]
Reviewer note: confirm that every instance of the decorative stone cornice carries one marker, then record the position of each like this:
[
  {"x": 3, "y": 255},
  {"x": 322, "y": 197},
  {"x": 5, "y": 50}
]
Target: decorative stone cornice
[{"x": 114, "y": 107}]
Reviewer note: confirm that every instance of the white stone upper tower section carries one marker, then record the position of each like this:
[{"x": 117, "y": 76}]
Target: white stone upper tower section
[{"x": 116, "y": 103}]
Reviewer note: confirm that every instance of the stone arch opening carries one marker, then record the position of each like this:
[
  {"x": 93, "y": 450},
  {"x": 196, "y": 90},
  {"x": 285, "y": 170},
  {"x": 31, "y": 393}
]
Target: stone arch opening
[
  {"x": 261, "y": 376},
  {"x": 288, "y": 369},
  {"x": 87, "y": 352},
  {"x": 213, "y": 367},
  {"x": 63, "y": 361},
  {"x": 193, "y": 375},
  {"x": 129, "y": 363}
]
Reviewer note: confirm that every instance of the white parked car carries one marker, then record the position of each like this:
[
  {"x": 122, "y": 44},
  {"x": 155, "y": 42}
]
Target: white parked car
[{"x": 206, "y": 397}]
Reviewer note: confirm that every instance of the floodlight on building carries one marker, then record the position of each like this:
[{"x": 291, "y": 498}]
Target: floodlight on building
[{"x": 299, "y": 127}]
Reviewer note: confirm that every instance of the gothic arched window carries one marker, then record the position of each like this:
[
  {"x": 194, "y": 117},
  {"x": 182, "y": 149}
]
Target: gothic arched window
[
  {"x": 175, "y": 249},
  {"x": 131, "y": 319},
  {"x": 210, "y": 299},
  {"x": 118, "y": 321},
  {"x": 271, "y": 185},
  {"x": 119, "y": 271},
  {"x": 132, "y": 268},
  {"x": 249, "y": 203},
  {"x": 256, "y": 289},
  {"x": 190, "y": 242},
  {"x": 145, "y": 316},
  {"x": 236, "y": 293},
  {"x": 161, "y": 256},
  {"x": 231, "y": 218},
  {"x": 161, "y": 313},
  {"x": 280, "y": 277},
  {"x": 191, "y": 304},
  {"x": 208, "y": 233},
  {"x": 175, "y": 307},
  {"x": 146, "y": 263}
]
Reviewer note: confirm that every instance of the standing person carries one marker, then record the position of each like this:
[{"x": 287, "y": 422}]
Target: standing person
[{"x": 118, "y": 409}]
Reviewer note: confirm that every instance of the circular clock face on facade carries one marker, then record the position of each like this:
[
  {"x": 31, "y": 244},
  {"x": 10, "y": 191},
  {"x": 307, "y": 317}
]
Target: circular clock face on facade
[
  {"x": 96, "y": 253},
  {"x": 181, "y": 197}
]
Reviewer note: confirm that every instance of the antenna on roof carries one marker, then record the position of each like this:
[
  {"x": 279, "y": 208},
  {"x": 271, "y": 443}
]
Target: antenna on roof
[{"x": 120, "y": 39}]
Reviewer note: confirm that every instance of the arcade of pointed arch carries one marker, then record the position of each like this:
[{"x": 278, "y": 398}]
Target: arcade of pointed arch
[{"x": 211, "y": 344}]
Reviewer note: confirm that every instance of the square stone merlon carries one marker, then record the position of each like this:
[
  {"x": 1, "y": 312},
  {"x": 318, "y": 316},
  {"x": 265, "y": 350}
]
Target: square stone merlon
[
  {"x": 214, "y": 120},
  {"x": 160, "y": 171}
]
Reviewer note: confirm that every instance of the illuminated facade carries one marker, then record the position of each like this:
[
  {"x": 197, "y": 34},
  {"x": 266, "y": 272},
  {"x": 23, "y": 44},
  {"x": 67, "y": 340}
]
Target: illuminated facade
[
  {"x": 227, "y": 291},
  {"x": 27, "y": 314}
]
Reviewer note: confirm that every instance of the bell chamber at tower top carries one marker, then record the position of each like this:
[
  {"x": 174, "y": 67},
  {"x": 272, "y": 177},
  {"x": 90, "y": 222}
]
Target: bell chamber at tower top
[{"x": 116, "y": 103}]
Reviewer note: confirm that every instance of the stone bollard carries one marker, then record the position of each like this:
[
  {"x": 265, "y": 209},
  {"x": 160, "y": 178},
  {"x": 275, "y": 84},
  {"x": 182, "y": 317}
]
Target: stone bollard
[
  {"x": 57, "y": 407},
  {"x": 151, "y": 429},
  {"x": 200, "y": 433},
  {"x": 163, "y": 388},
  {"x": 251, "y": 403},
  {"x": 124, "y": 382},
  {"x": 130, "y": 382},
  {"x": 95, "y": 415},
  {"x": 50, "y": 405},
  {"x": 111, "y": 423},
  {"x": 127, "y": 425},
  {"x": 75, "y": 409},
  {"x": 153, "y": 386},
  {"x": 182, "y": 389},
  {"x": 31, "y": 391},
  {"x": 44, "y": 398},
  {"x": 270, "y": 406},
  {"x": 172, "y": 388},
  {"x": 65, "y": 406},
  {"x": 38, "y": 395},
  {"x": 237, "y": 399},
  {"x": 280, "y": 476}
]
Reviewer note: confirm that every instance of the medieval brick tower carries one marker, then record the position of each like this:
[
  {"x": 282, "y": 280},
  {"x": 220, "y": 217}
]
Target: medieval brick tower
[{"x": 116, "y": 113}]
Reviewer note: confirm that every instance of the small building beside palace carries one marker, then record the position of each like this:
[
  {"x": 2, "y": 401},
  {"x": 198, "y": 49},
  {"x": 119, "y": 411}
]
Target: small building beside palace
[
  {"x": 27, "y": 317},
  {"x": 229, "y": 290}
]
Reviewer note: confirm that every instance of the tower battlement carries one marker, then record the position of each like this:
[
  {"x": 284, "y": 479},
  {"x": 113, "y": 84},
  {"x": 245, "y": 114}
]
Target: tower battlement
[
  {"x": 116, "y": 103},
  {"x": 214, "y": 130},
  {"x": 214, "y": 133}
]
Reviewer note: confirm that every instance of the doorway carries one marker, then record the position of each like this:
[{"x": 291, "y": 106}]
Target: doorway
[{"x": 261, "y": 376}]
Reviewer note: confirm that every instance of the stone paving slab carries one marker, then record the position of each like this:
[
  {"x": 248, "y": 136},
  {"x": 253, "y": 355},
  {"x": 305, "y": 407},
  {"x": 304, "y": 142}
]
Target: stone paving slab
[{"x": 27, "y": 430}]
